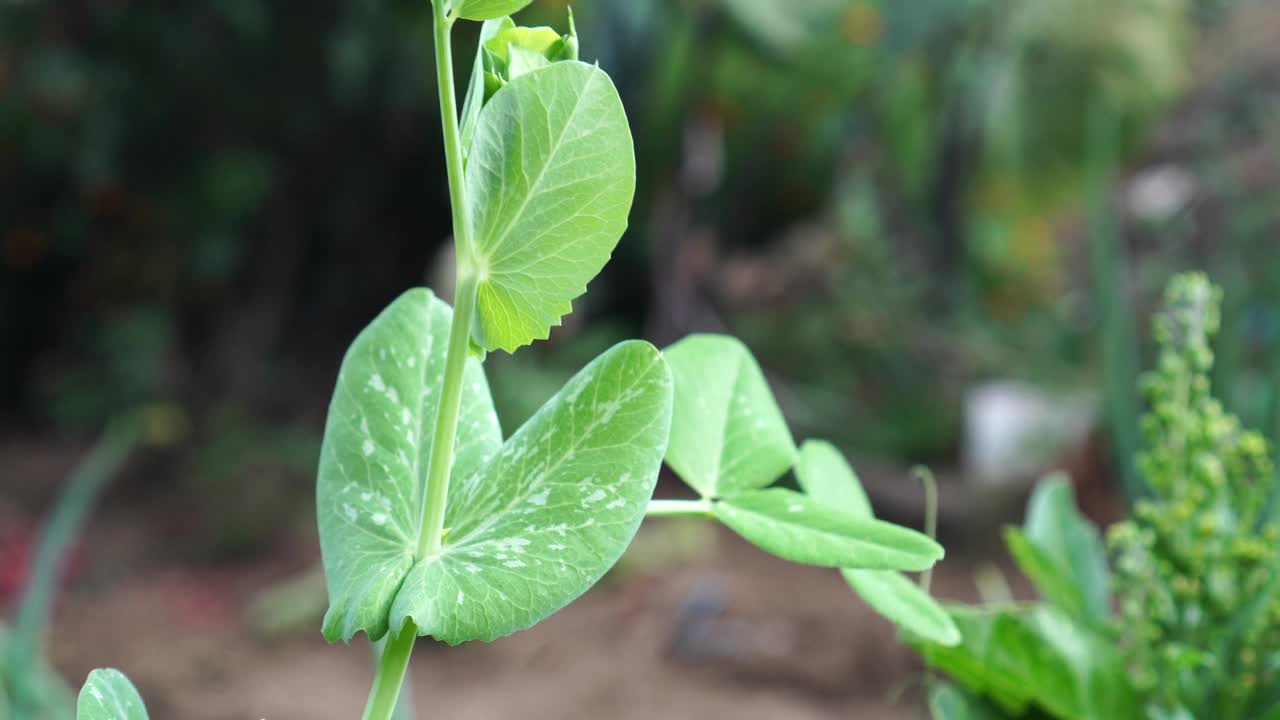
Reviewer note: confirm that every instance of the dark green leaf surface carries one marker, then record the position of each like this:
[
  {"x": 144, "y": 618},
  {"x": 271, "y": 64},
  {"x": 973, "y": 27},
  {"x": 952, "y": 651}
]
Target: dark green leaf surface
[
  {"x": 1035, "y": 657},
  {"x": 376, "y": 449},
  {"x": 108, "y": 695},
  {"x": 796, "y": 527},
  {"x": 555, "y": 508},
  {"x": 550, "y": 180},
  {"x": 947, "y": 702},
  {"x": 727, "y": 433},
  {"x": 1063, "y": 555}
]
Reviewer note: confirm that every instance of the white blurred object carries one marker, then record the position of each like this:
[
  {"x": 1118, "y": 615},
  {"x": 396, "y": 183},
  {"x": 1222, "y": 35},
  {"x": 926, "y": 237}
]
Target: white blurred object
[
  {"x": 1014, "y": 431},
  {"x": 1159, "y": 192}
]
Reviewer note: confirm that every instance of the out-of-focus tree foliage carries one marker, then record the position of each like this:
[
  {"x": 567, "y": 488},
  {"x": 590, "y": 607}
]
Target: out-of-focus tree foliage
[
  {"x": 203, "y": 200},
  {"x": 193, "y": 191}
]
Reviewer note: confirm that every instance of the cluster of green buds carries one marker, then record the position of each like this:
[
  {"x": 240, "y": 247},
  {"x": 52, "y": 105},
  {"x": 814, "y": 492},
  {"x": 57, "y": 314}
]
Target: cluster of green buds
[
  {"x": 513, "y": 51},
  {"x": 1197, "y": 563}
]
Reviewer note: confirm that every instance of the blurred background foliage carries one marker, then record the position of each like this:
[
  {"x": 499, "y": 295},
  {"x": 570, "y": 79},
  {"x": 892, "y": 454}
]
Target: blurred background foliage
[{"x": 203, "y": 202}]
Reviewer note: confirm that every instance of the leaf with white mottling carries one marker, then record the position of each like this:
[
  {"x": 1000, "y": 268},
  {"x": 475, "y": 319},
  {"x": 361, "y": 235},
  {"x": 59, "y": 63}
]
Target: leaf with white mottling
[
  {"x": 487, "y": 9},
  {"x": 798, "y": 528},
  {"x": 542, "y": 522},
  {"x": 827, "y": 477},
  {"x": 550, "y": 179},
  {"x": 727, "y": 433},
  {"x": 377, "y": 446},
  {"x": 108, "y": 695}
]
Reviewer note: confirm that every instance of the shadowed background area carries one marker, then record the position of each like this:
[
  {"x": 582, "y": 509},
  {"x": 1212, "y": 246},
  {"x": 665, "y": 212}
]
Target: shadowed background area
[{"x": 939, "y": 224}]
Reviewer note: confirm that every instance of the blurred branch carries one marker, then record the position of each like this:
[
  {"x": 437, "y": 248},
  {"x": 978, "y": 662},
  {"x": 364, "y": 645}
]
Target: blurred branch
[{"x": 60, "y": 531}]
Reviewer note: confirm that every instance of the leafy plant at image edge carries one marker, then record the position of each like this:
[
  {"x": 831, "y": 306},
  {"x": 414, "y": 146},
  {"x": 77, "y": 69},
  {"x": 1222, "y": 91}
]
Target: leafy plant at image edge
[{"x": 1197, "y": 572}]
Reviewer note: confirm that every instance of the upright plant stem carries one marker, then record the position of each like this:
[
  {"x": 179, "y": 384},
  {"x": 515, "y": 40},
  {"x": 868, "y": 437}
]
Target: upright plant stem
[
  {"x": 390, "y": 675},
  {"x": 436, "y": 495},
  {"x": 394, "y": 660}
]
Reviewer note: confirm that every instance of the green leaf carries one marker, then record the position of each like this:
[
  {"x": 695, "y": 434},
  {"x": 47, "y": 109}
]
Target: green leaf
[
  {"x": 1037, "y": 657},
  {"x": 827, "y": 477},
  {"x": 727, "y": 433},
  {"x": 947, "y": 702},
  {"x": 377, "y": 445},
  {"x": 474, "y": 99},
  {"x": 108, "y": 695},
  {"x": 553, "y": 511},
  {"x": 796, "y": 527},
  {"x": 904, "y": 602},
  {"x": 487, "y": 9},
  {"x": 523, "y": 61},
  {"x": 1062, "y": 554},
  {"x": 550, "y": 179}
]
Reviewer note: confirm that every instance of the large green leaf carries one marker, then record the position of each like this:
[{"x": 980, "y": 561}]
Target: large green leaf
[
  {"x": 827, "y": 477},
  {"x": 798, "y": 528},
  {"x": 1063, "y": 555},
  {"x": 487, "y": 9},
  {"x": 727, "y": 433},
  {"x": 1036, "y": 657},
  {"x": 108, "y": 695},
  {"x": 377, "y": 445},
  {"x": 542, "y": 522},
  {"x": 550, "y": 180}
]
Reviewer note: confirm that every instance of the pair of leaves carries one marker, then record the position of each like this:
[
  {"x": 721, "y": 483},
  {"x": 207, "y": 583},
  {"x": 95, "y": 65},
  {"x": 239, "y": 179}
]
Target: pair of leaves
[
  {"x": 108, "y": 695},
  {"x": 550, "y": 177},
  {"x": 1063, "y": 555},
  {"x": 1024, "y": 658},
  {"x": 530, "y": 523},
  {"x": 729, "y": 441}
]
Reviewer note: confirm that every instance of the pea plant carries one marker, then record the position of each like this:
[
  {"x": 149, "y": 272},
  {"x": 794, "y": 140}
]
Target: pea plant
[
  {"x": 1184, "y": 622},
  {"x": 430, "y": 522}
]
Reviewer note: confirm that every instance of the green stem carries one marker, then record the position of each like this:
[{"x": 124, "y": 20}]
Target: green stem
[
  {"x": 390, "y": 674},
  {"x": 452, "y": 137},
  {"x": 394, "y": 660},
  {"x": 679, "y": 508},
  {"x": 435, "y": 498}
]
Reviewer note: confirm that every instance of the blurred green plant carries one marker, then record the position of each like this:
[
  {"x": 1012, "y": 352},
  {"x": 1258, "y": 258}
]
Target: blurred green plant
[
  {"x": 1198, "y": 566},
  {"x": 29, "y": 689},
  {"x": 1197, "y": 631}
]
